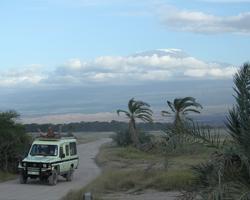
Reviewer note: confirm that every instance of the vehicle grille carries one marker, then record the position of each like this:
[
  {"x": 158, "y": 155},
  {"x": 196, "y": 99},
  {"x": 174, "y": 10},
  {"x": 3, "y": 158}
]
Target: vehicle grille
[
  {"x": 34, "y": 165},
  {"x": 32, "y": 169}
]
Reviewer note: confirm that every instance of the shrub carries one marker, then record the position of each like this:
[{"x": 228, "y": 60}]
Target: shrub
[{"x": 122, "y": 138}]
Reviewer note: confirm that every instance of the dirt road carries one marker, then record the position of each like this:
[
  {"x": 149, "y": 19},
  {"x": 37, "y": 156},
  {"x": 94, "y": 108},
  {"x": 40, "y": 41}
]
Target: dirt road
[{"x": 34, "y": 190}]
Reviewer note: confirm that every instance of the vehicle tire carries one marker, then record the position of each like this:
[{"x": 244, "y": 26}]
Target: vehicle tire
[
  {"x": 53, "y": 178},
  {"x": 23, "y": 178},
  {"x": 69, "y": 175}
]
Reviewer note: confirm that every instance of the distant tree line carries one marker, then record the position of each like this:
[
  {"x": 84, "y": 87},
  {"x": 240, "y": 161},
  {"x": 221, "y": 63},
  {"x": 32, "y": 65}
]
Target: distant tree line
[{"x": 113, "y": 126}]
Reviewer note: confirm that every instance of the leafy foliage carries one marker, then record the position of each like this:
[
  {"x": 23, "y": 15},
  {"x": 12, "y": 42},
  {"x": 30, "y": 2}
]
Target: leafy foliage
[
  {"x": 192, "y": 133},
  {"x": 122, "y": 138},
  {"x": 227, "y": 174},
  {"x": 13, "y": 140},
  {"x": 180, "y": 107},
  {"x": 238, "y": 121},
  {"x": 136, "y": 110}
]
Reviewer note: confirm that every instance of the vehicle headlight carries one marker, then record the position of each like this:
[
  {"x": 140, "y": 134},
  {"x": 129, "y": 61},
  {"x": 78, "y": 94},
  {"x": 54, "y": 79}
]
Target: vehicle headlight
[{"x": 44, "y": 165}]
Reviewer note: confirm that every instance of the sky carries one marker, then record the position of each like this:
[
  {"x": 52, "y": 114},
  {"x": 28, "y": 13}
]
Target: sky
[{"x": 64, "y": 60}]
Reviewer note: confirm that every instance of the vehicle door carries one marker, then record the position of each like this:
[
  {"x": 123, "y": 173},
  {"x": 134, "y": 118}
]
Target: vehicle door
[
  {"x": 73, "y": 154},
  {"x": 62, "y": 158},
  {"x": 67, "y": 157}
]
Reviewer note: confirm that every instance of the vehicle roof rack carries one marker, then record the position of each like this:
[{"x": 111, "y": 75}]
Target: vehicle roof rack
[{"x": 55, "y": 137}]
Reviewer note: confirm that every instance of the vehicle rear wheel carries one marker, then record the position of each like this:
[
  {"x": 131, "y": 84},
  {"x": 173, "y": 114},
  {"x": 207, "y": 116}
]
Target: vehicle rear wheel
[
  {"x": 23, "y": 178},
  {"x": 53, "y": 178},
  {"x": 69, "y": 175}
]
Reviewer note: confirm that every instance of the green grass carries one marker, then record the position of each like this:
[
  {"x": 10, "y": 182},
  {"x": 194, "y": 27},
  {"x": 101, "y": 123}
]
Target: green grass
[
  {"x": 5, "y": 176},
  {"x": 129, "y": 169},
  {"x": 86, "y": 137},
  {"x": 135, "y": 180}
]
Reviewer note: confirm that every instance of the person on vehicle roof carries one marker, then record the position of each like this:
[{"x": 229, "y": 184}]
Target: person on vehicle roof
[{"x": 50, "y": 133}]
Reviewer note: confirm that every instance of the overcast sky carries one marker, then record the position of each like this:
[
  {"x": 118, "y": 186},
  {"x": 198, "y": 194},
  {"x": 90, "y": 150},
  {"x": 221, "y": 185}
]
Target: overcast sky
[{"x": 98, "y": 48}]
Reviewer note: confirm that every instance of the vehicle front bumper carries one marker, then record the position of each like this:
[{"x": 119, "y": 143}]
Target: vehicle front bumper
[{"x": 35, "y": 171}]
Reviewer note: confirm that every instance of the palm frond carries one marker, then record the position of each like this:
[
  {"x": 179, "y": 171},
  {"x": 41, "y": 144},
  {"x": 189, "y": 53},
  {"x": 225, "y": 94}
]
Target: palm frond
[
  {"x": 143, "y": 110},
  {"x": 123, "y": 111},
  {"x": 165, "y": 113},
  {"x": 190, "y": 110},
  {"x": 176, "y": 103},
  {"x": 205, "y": 135},
  {"x": 130, "y": 104},
  {"x": 145, "y": 117},
  {"x": 238, "y": 121},
  {"x": 171, "y": 106}
]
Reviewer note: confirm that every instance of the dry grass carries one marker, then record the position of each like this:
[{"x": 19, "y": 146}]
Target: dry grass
[{"x": 129, "y": 169}]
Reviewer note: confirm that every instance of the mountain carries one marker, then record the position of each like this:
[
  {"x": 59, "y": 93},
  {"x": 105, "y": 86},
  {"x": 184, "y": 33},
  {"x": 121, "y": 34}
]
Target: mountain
[{"x": 176, "y": 53}]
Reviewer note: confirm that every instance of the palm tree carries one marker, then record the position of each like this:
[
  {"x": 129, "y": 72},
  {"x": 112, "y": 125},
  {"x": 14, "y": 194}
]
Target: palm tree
[
  {"x": 238, "y": 121},
  {"x": 136, "y": 110},
  {"x": 180, "y": 107}
]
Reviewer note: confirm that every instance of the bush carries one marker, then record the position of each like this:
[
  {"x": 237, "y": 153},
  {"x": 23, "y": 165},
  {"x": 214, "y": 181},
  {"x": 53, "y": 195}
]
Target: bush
[
  {"x": 13, "y": 141},
  {"x": 122, "y": 138},
  {"x": 144, "y": 138}
]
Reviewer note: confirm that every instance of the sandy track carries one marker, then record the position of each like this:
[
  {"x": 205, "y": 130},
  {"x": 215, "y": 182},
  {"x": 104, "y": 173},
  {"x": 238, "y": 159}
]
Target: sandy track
[{"x": 34, "y": 190}]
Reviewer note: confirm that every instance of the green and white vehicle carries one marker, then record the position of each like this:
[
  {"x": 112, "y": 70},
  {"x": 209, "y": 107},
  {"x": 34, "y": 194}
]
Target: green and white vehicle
[{"x": 48, "y": 158}]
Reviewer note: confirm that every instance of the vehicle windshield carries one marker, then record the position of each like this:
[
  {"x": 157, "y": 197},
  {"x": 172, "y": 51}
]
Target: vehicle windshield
[{"x": 44, "y": 150}]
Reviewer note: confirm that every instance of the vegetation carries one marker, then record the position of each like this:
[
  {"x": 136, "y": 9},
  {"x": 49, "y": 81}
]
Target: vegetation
[
  {"x": 122, "y": 138},
  {"x": 13, "y": 141},
  {"x": 86, "y": 137},
  {"x": 113, "y": 126},
  {"x": 227, "y": 173},
  {"x": 190, "y": 157},
  {"x": 130, "y": 169},
  {"x": 136, "y": 110},
  {"x": 180, "y": 107}
]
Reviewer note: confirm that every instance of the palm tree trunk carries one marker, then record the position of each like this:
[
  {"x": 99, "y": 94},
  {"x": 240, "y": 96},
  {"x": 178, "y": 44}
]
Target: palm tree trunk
[
  {"x": 178, "y": 123},
  {"x": 133, "y": 133}
]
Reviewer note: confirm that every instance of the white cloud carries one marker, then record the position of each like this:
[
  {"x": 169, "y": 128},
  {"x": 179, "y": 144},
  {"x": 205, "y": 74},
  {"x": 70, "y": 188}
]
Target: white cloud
[
  {"x": 28, "y": 75},
  {"x": 158, "y": 65},
  {"x": 200, "y": 22}
]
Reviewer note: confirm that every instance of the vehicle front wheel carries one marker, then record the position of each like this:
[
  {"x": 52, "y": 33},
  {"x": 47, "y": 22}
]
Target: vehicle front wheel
[
  {"x": 53, "y": 178},
  {"x": 23, "y": 178},
  {"x": 69, "y": 175}
]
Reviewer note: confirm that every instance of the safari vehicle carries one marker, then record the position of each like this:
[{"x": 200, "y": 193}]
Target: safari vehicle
[{"x": 48, "y": 158}]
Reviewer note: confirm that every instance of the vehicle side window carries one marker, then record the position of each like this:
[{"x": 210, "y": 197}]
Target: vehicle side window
[
  {"x": 61, "y": 151},
  {"x": 67, "y": 150},
  {"x": 73, "y": 150}
]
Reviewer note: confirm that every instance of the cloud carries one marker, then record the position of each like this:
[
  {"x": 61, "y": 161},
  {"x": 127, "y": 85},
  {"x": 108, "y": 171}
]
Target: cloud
[
  {"x": 200, "y": 22},
  {"x": 154, "y": 66},
  {"x": 158, "y": 65},
  {"x": 28, "y": 75}
]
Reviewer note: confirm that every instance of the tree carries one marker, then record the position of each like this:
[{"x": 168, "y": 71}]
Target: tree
[
  {"x": 180, "y": 107},
  {"x": 238, "y": 121},
  {"x": 227, "y": 173},
  {"x": 136, "y": 110},
  {"x": 13, "y": 140}
]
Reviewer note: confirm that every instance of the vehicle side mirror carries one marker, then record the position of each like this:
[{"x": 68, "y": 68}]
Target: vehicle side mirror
[{"x": 62, "y": 155}]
